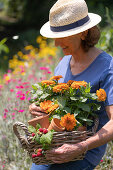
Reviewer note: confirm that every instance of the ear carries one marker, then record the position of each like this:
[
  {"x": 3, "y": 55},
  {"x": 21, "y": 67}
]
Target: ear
[{"x": 84, "y": 34}]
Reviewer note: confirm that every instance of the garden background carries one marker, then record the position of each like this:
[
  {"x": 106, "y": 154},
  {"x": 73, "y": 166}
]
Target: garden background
[{"x": 26, "y": 58}]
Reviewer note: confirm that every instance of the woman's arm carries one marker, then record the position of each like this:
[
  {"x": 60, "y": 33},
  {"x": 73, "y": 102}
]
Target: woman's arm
[
  {"x": 67, "y": 152},
  {"x": 105, "y": 134}
]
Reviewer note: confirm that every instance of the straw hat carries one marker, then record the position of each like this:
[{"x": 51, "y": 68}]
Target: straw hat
[{"x": 68, "y": 17}]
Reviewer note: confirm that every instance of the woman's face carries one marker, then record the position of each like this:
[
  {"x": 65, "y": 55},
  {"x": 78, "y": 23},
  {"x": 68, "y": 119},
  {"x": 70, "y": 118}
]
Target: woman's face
[{"x": 70, "y": 45}]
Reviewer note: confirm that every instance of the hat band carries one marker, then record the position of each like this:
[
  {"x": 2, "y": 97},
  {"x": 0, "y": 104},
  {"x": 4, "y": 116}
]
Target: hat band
[{"x": 70, "y": 26}]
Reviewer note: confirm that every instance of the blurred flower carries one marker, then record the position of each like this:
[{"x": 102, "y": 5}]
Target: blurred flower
[
  {"x": 21, "y": 111},
  {"x": 11, "y": 90}
]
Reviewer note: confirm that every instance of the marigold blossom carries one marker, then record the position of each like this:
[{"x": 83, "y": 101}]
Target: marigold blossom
[
  {"x": 77, "y": 84},
  {"x": 68, "y": 121},
  {"x": 70, "y": 82},
  {"x": 52, "y": 108},
  {"x": 60, "y": 88},
  {"x": 46, "y": 104},
  {"x": 47, "y": 82},
  {"x": 101, "y": 94},
  {"x": 56, "y": 77}
]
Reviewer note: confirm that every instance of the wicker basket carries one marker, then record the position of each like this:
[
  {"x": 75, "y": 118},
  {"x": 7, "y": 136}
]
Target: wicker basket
[{"x": 59, "y": 138}]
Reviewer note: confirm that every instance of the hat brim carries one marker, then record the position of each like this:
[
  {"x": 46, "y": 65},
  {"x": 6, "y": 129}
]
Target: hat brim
[{"x": 46, "y": 31}]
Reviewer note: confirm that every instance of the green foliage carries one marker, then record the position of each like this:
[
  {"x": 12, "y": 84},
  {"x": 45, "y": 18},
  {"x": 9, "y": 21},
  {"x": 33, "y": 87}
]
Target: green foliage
[
  {"x": 3, "y": 46},
  {"x": 41, "y": 138},
  {"x": 81, "y": 100}
]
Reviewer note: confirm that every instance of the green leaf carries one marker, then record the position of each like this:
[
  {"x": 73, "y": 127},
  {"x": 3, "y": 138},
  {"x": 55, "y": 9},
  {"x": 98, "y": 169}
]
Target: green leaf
[
  {"x": 67, "y": 110},
  {"x": 39, "y": 92},
  {"x": 56, "y": 116},
  {"x": 93, "y": 96},
  {"x": 75, "y": 114},
  {"x": 82, "y": 99},
  {"x": 36, "y": 86},
  {"x": 46, "y": 138},
  {"x": 86, "y": 120},
  {"x": 84, "y": 107},
  {"x": 74, "y": 98},
  {"x": 44, "y": 96},
  {"x": 88, "y": 88},
  {"x": 31, "y": 129},
  {"x": 61, "y": 101},
  {"x": 37, "y": 138},
  {"x": 38, "y": 126}
]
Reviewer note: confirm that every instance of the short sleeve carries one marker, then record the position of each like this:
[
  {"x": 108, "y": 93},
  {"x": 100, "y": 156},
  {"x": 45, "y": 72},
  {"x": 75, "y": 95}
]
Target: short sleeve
[{"x": 106, "y": 83}]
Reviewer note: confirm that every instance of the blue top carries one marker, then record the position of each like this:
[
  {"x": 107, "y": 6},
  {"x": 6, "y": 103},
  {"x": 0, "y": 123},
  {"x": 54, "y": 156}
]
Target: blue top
[{"x": 100, "y": 75}]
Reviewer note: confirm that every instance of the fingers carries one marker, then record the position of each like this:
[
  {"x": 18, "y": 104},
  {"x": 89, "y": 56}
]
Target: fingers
[
  {"x": 36, "y": 110},
  {"x": 34, "y": 114}
]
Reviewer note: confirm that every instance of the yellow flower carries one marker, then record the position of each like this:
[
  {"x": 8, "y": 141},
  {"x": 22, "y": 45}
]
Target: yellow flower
[
  {"x": 77, "y": 84},
  {"x": 68, "y": 121},
  {"x": 47, "y": 82},
  {"x": 28, "y": 47},
  {"x": 46, "y": 105},
  {"x": 60, "y": 88},
  {"x": 101, "y": 94},
  {"x": 56, "y": 77}
]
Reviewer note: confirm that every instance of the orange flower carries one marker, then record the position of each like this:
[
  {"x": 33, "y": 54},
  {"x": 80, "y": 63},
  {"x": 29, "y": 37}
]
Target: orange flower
[
  {"x": 68, "y": 121},
  {"x": 46, "y": 105},
  {"x": 101, "y": 94},
  {"x": 47, "y": 82},
  {"x": 70, "y": 82},
  {"x": 52, "y": 108},
  {"x": 60, "y": 88},
  {"x": 56, "y": 77},
  {"x": 77, "y": 84}
]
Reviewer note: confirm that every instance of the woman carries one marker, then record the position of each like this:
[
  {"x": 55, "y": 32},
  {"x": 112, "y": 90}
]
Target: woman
[{"x": 75, "y": 31}]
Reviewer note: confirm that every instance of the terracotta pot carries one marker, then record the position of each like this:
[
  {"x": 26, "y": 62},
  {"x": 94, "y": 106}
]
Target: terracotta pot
[
  {"x": 81, "y": 128},
  {"x": 55, "y": 125},
  {"x": 42, "y": 120}
]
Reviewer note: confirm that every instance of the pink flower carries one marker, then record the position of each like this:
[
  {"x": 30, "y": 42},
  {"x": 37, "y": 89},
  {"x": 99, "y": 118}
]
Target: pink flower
[
  {"x": 28, "y": 98},
  {"x": 11, "y": 90},
  {"x": 1, "y": 86},
  {"x": 49, "y": 72},
  {"x": 4, "y": 116},
  {"x": 9, "y": 71},
  {"x": 21, "y": 111},
  {"x": 27, "y": 92},
  {"x": 21, "y": 87},
  {"x": 101, "y": 160},
  {"x": 5, "y": 110},
  {"x": 25, "y": 83},
  {"x": 44, "y": 68},
  {"x": 13, "y": 114},
  {"x": 17, "y": 87},
  {"x": 22, "y": 98},
  {"x": 15, "y": 109},
  {"x": 13, "y": 117},
  {"x": 19, "y": 92}
]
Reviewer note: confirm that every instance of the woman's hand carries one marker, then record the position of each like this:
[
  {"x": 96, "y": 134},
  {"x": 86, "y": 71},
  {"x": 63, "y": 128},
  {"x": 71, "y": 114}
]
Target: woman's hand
[
  {"x": 66, "y": 152},
  {"x": 36, "y": 110}
]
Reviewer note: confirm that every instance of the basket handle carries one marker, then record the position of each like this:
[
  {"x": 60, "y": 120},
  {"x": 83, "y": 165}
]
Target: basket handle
[
  {"x": 96, "y": 123},
  {"x": 23, "y": 140}
]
